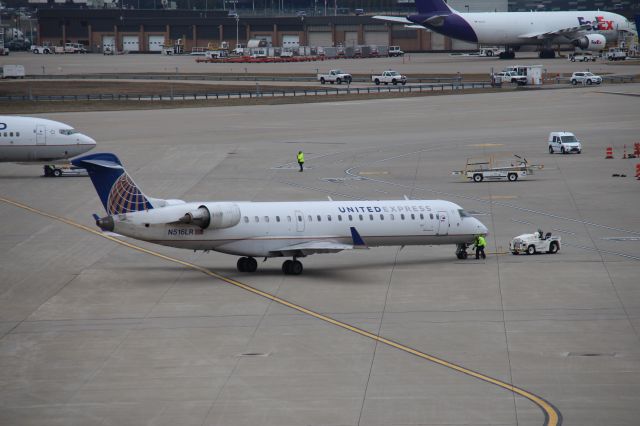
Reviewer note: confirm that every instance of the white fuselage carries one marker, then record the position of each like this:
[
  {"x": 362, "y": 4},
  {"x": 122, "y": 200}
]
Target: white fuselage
[
  {"x": 512, "y": 27},
  {"x": 265, "y": 228},
  {"x": 30, "y": 139}
]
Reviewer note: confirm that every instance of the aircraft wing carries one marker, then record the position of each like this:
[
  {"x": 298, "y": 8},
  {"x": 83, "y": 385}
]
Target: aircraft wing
[
  {"x": 396, "y": 19},
  {"x": 312, "y": 247},
  {"x": 569, "y": 31}
]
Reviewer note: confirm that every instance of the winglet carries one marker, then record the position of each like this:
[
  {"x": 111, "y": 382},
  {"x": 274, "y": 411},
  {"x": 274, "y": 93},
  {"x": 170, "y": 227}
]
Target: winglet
[{"x": 358, "y": 242}]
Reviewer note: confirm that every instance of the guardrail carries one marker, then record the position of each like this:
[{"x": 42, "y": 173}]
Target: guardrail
[
  {"x": 178, "y": 77},
  {"x": 251, "y": 95},
  {"x": 605, "y": 78}
]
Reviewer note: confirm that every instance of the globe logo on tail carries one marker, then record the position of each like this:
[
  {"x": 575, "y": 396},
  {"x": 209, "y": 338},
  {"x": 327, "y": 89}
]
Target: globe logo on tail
[{"x": 125, "y": 197}]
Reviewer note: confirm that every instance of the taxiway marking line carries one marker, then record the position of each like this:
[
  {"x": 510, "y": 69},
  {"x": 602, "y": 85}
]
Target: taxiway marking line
[{"x": 551, "y": 414}]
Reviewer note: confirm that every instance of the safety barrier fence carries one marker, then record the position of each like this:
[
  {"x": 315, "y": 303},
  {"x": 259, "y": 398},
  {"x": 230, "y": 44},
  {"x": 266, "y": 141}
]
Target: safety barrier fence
[
  {"x": 605, "y": 78},
  {"x": 253, "y": 94},
  {"x": 223, "y": 77}
]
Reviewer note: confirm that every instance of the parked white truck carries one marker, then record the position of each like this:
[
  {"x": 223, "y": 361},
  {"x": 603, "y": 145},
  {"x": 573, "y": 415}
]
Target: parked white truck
[
  {"x": 335, "y": 76},
  {"x": 564, "y": 143},
  {"x": 12, "y": 71},
  {"x": 538, "y": 242},
  {"x": 616, "y": 54},
  {"x": 389, "y": 76}
]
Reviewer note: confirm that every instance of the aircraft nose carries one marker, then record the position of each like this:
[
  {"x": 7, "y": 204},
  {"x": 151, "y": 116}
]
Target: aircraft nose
[{"x": 481, "y": 229}]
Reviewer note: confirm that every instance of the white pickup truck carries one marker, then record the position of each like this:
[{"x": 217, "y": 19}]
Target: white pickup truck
[
  {"x": 538, "y": 242},
  {"x": 335, "y": 76},
  {"x": 616, "y": 54},
  {"x": 511, "y": 77},
  {"x": 389, "y": 76}
]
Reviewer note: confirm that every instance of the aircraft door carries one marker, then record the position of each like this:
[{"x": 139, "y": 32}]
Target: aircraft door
[
  {"x": 443, "y": 222},
  {"x": 299, "y": 218},
  {"x": 41, "y": 135}
]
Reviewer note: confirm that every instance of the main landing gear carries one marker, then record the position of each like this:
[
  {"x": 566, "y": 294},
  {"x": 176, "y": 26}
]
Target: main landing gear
[
  {"x": 247, "y": 264},
  {"x": 547, "y": 53},
  {"x": 461, "y": 251},
  {"x": 292, "y": 267}
]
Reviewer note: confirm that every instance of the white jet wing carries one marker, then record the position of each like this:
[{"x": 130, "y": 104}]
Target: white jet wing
[
  {"x": 568, "y": 32},
  {"x": 312, "y": 247},
  {"x": 397, "y": 19}
]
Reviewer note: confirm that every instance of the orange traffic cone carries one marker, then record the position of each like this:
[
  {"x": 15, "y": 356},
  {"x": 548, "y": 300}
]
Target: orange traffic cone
[
  {"x": 609, "y": 153},
  {"x": 636, "y": 149},
  {"x": 638, "y": 171},
  {"x": 624, "y": 152}
]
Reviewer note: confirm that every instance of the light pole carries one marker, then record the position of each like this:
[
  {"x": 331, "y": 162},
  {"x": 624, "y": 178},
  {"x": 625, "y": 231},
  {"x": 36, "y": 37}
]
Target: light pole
[
  {"x": 237, "y": 33},
  {"x": 467, "y": 6}
]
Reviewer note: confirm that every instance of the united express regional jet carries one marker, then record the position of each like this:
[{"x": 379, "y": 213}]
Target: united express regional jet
[
  {"x": 273, "y": 229},
  {"x": 30, "y": 139},
  {"x": 589, "y": 30}
]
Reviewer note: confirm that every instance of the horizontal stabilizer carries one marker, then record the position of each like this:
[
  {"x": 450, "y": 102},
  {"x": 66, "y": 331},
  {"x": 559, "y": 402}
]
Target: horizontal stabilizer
[{"x": 398, "y": 19}]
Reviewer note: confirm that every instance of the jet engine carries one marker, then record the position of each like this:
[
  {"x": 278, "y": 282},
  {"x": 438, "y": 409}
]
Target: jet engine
[
  {"x": 213, "y": 216},
  {"x": 590, "y": 42}
]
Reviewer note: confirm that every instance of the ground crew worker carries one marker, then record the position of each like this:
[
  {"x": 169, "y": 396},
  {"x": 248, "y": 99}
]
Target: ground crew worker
[
  {"x": 480, "y": 244},
  {"x": 301, "y": 160}
]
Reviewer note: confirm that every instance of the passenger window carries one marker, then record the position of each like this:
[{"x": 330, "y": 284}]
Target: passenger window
[
  {"x": 299, "y": 218},
  {"x": 437, "y": 216},
  {"x": 319, "y": 218},
  {"x": 340, "y": 217},
  {"x": 402, "y": 216},
  {"x": 381, "y": 217},
  {"x": 392, "y": 217},
  {"x": 370, "y": 217},
  {"x": 257, "y": 219},
  {"x": 431, "y": 216},
  {"x": 277, "y": 218},
  {"x": 11, "y": 134},
  {"x": 421, "y": 216},
  {"x": 329, "y": 217},
  {"x": 18, "y": 134},
  {"x": 309, "y": 218},
  {"x": 361, "y": 218},
  {"x": 5, "y": 134},
  {"x": 246, "y": 219},
  {"x": 266, "y": 219},
  {"x": 350, "y": 218},
  {"x": 413, "y": 216}
]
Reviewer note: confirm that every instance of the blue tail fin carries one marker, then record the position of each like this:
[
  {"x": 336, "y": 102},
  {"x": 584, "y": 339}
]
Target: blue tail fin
[
  {"x": 427, "y": 7},
  {"x": 117, "y": 191}
]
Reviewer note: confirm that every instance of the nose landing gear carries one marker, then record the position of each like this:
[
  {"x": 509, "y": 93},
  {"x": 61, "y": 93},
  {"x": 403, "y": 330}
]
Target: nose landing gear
[
  {"x": 292, "y": 267},
  {"x": 461, "y": 251}
]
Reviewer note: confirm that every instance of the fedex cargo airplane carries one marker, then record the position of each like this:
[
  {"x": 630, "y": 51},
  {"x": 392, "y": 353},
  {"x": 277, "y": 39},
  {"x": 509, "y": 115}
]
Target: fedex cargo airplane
[
  {"x": 30, "y": 139},
  {"x": 273, "y": 229},
  {"x": 588, "y": 30}
]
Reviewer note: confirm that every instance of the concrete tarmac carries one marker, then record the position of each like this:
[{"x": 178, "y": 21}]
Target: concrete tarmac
[{"x": 92, "y": 332}]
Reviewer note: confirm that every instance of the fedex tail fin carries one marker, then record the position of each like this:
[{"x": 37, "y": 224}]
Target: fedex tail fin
[
  {"x": 117, "y": 191},
  {"x": 428, "y": 7}
]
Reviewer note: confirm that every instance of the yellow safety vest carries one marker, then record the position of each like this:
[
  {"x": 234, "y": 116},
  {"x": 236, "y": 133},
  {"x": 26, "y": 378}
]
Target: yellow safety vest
[
  {"x": 481, "y": 241},
  {"x": 301, "y": 158}
]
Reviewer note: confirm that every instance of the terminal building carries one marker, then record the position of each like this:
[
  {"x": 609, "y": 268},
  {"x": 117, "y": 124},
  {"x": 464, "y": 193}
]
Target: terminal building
[{"x": 147, "y": 30}]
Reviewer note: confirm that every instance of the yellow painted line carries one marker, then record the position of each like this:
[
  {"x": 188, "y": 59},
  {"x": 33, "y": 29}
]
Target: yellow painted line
[
  {"x": 373, "y": 173},
  {"x": 486, "y": 145},
  {"x": 552, "y": 416},
  {"x": 500, "y": 197}
]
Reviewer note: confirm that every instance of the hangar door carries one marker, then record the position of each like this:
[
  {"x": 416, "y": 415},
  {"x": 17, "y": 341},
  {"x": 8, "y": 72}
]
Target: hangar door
[
  {"x": 463, "y": 45},
  {"x": 437, "y": 41},
  {"x": 320, "y": 38},
  {"x": 350, "y": 38},
  {"x": 290, "y": 40},
  {"x": 376, "y": 38},
  {"x": 131, "y": 43},
  {"x": 108, "y": 42},
  {"x": 155, "y": 43}
]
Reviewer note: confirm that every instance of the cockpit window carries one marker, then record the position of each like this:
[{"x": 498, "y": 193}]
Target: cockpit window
[
  {"x": 463, "y": 213},
  {"x": 68, "y": 131}
]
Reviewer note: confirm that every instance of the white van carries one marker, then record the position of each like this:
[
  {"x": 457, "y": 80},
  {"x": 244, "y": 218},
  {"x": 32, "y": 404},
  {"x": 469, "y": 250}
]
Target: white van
[
  {"x": 12, "y": 71},
  {"x": 564, "y": 142}
]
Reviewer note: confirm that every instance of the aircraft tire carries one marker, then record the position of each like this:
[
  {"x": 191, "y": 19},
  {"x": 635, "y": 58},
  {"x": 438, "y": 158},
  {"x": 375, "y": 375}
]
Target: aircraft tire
[
  {"x": 250, "y": 265},
  {"x": 286, "y": 267},
  {"x": 462, "y": 255},
  {"x": 242, "y": 264},
  {"x": 296, "y": 267}
]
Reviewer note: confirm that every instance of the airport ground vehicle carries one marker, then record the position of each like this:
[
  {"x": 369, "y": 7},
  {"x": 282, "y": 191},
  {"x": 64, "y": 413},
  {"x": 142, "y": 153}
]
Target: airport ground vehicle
[
  {"x": 616, "y": 54},
  {"x": 389, "y": 76},
  {"x": 41, "y": 49},
  {"x": 490, "y": 51},
  {"x": 585, "y": 77},
  {"x": 74, "y": 48},
  {"x": 538, "y": 242},
  {"x": 4, "y": 51},
  {"x": 12, "y": 71},
  {"x": 582, "y": 57},
  {"x": 335, "y": 76},
  {"x": 494, "y": 167},
  {"x": 511, "y": 77},
  {"x": 58, "y": 170},
  {"x": 564, "y": 142},
  {"x": 395, "y": 51}
]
